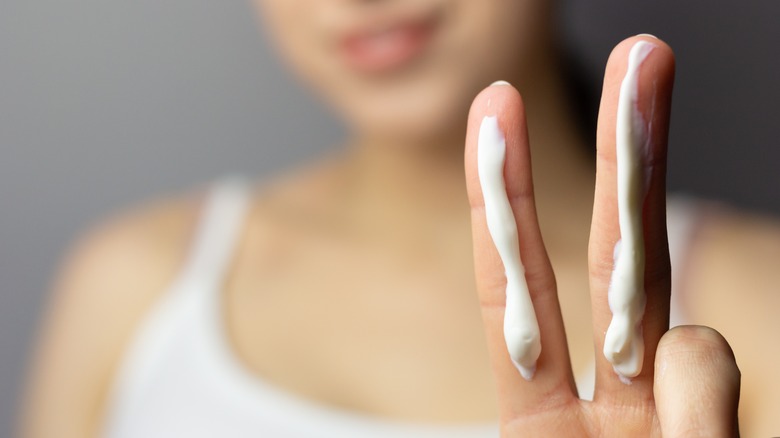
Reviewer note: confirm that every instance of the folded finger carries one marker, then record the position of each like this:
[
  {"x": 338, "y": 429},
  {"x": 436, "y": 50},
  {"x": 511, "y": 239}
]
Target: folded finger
[{"x": 697, "y": 384}]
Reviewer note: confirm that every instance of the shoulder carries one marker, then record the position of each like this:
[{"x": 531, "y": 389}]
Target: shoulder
[
  {"x": 125, "y": 256},
  {"x": 108, "y": 281},
  {"x": 734, "y": 287},
  {"x": 738, "y": 248},
  {"x": 733, "y": 276}
]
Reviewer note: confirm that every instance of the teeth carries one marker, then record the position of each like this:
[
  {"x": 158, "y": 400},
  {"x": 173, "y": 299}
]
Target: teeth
[
  {"x": 385, "y": 31},
  {"x": 384, "y": 40}
]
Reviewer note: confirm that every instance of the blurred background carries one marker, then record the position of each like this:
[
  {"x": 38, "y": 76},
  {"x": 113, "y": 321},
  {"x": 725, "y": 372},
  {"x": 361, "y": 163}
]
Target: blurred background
[{"x": 105, "y": 104}]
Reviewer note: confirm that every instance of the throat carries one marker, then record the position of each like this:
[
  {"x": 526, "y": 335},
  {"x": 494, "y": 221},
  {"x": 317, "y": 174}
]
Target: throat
[{"x": 407, "y": 182}]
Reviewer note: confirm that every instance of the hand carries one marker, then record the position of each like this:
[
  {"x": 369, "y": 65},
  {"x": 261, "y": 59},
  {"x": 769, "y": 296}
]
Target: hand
[{"x": 689, "y": 384}]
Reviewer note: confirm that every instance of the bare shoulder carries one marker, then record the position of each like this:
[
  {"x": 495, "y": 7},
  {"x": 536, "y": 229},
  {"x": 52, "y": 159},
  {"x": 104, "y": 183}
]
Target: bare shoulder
[
  {"x": 738, "y": 251},
  {"x": 734, "y": 287},
  {"x": 128, "y": 259},
  {"x": 109, "y": 279},
  {"x": 139, "y": 246}
]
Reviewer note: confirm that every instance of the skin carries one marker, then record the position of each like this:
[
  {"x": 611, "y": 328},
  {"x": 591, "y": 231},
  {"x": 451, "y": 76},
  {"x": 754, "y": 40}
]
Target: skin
[
  {"x": 310, "y": 247},
  {"x": 492, "y": 35},
  {"x": 550, "y": 402}
]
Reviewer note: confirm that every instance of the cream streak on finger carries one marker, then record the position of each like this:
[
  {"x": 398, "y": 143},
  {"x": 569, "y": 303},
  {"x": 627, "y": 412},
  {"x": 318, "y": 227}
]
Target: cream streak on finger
[
  {"x": 521, "y": 329},
  {"x": 623, "y": 344}
]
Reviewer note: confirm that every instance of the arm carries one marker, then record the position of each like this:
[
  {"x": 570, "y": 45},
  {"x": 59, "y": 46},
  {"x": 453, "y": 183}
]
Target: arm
[{"x": 108, "y": 282}]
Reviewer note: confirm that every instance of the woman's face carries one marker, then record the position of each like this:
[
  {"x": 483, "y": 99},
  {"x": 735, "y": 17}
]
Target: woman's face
[{"x": 407, "y": 69}]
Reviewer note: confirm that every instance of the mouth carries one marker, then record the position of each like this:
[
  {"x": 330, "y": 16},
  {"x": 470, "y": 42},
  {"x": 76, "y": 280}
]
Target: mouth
[{"x": 388, "y": 46}]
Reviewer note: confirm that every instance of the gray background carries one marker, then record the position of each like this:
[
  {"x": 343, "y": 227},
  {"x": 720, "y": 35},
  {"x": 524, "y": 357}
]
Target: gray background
[{"x": 106, "y": 103}]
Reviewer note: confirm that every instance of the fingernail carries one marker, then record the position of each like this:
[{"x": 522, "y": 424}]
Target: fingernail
[
  {"x": 497, "y": 83},
  {"x": 647, "y": 35}
]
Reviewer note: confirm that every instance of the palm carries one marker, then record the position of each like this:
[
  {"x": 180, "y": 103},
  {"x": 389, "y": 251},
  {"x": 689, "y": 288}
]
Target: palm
[
  {"x": 548, "y": 404},
  {"x": 588, "y": 419}
]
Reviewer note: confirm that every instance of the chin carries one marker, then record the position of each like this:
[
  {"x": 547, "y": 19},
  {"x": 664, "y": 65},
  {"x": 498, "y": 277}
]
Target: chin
[
  {"x": 409, "y": 127},
  {"x": 420, "y": 112},
  {"x": 414, "y": 126}
]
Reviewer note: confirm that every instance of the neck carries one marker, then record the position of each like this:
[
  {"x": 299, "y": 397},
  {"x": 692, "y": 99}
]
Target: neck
[
  {"x": 405, "y": 182},
  {"x": 563, "y": 173}
]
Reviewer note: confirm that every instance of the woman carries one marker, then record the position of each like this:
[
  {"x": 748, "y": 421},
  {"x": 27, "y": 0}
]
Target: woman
[{"x": 340, "y": 299}]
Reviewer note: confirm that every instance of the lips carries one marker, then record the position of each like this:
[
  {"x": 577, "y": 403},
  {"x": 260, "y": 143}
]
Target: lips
[{"x": 387, "y": 48}]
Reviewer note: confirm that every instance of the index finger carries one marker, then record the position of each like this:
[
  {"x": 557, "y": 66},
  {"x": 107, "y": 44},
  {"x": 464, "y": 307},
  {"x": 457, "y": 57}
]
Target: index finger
[{"x": 499, "y": 109}]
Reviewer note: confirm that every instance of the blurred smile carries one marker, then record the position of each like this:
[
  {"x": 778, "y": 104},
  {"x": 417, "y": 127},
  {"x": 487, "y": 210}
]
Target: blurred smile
[{"x": 388, "y": 46}]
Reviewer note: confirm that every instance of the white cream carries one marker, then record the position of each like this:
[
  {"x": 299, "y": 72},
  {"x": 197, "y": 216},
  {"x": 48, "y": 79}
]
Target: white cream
[
  {"x": 623, "y": 343},
  {"x": 521, "y": 330}
]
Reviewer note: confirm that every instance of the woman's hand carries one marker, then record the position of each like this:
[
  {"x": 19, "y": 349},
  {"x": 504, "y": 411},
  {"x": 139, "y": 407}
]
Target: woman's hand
[{"x": 693, "y": 389}]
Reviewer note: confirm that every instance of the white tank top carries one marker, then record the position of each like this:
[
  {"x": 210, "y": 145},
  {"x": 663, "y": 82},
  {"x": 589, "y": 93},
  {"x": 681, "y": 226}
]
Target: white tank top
[{"x": 180, "y": 378}]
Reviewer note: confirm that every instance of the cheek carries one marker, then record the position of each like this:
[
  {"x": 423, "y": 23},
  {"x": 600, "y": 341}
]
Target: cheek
[
  {"x": 296, "y": 29},
  {"x": 288, "y": 24},
  {"x": 504, "y": 35}
]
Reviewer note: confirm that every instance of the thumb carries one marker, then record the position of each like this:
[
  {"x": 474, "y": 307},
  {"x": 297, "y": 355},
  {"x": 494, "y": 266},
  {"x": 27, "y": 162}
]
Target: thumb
[{"x": 696, "y": 384}]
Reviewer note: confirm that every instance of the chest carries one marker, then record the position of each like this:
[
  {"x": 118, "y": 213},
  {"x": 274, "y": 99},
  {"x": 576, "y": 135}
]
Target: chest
[{"x": 391, "y": 333}]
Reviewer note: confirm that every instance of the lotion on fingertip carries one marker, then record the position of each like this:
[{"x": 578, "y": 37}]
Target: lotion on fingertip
[{"x": 521, "y": 329}]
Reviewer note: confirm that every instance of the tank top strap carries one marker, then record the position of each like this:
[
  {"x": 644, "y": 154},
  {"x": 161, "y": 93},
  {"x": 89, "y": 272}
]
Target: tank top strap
[{"x": 218, "y": 230}]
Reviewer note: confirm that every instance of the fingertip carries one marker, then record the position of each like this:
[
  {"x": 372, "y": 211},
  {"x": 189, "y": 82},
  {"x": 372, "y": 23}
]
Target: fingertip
[
  {"x": 501, "y": 100},
  {"x": 623, "y": 47},
  {"x": 699, "y": 342},
  {"x": 493, "y": 100},
  {"x": 647, "y": 35},
  {"x": 697, "y": 383},
  {"x": 661, "y": 59},
  {"x": 499, "y": 83},
  {"x": 660, "y": 65}
]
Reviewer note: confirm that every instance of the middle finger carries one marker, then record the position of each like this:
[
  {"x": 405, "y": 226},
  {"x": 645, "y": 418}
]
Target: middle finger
[{"x": 613, "y": 253}]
